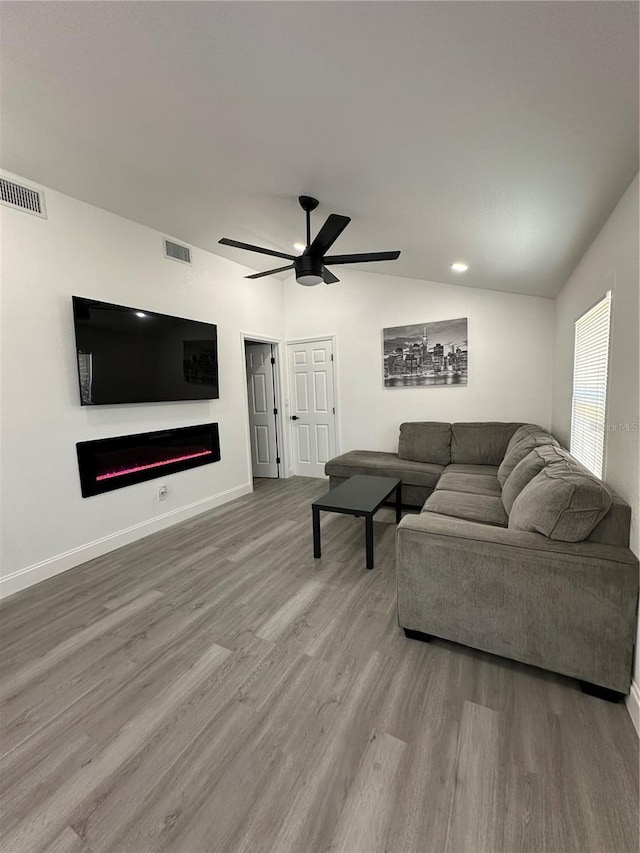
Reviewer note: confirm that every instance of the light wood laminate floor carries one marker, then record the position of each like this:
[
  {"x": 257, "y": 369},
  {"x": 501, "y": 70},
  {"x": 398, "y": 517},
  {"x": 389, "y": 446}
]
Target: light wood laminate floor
[{"x": 213, "y": 688}]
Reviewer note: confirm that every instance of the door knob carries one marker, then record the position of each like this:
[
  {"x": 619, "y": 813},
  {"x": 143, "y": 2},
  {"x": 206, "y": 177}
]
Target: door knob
[{"x": 295, "y": 418}]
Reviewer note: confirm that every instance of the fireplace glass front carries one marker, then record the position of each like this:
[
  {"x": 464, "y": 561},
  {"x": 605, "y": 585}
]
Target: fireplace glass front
[{"x": 112, "y": 463}]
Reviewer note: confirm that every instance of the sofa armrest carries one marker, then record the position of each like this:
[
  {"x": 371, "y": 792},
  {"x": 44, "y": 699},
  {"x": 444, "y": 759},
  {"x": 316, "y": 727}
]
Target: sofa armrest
[
  {"x": 473, "y": 531},
  {"x": 563, "y": 606}
]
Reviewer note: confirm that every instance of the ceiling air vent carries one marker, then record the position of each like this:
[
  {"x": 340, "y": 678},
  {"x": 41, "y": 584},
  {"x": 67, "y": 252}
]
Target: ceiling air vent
[
  {"x": 177, "y": 252},
  {"x": 22, "y": 198}
]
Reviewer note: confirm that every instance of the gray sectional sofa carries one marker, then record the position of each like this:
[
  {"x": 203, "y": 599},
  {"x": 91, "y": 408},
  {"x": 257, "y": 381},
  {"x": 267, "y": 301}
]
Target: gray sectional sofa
[{"x": 517, "y": 550}]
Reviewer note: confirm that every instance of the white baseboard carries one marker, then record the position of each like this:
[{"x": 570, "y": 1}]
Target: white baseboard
[
  {"x": 633, "y": 705},
  {"x": 16, "y": 581}
]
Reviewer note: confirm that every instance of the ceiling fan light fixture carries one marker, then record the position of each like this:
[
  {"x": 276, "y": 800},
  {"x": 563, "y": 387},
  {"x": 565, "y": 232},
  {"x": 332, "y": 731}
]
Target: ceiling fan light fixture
[
  {"x": 299, "y": 247},
  {"x": 308, "y": 270},
  {"x": 309, "y": 279}
]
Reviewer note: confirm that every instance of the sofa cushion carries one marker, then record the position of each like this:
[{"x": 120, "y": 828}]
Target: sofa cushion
[
  {"x": 486, "y": 470},
  {"x": 471, "y": 484},
  {"x": 486, "y": 509},
  {"x": 526, "y": 470},
  {"x": 425, "y": 441},
  {"x": 480, "y": 443},
  {"x": 384, "y": 464},
  {"x": 561, "y": 502},
  {"x": 522, "y": 443},
  {"x": 526, "y": 430}
]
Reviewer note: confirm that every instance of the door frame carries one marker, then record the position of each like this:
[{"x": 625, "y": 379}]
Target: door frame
[
  {"x": 277, "y": 344},
  {"x": 336, "y": 391}
]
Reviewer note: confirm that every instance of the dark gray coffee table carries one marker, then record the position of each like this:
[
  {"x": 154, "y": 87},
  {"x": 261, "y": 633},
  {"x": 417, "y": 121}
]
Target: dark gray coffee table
[{"x": 359, "y": 495}]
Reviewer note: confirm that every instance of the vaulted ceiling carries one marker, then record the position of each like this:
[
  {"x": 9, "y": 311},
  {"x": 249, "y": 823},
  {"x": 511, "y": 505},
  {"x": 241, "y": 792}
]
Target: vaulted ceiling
[{"x": 500, "y": 134}]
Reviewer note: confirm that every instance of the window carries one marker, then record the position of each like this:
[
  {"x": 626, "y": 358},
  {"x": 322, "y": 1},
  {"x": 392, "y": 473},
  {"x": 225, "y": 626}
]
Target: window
[{"x": 589, "y": 403}]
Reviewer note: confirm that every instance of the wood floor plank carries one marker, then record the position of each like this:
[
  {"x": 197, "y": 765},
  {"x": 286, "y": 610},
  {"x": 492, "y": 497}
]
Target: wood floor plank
[
  {"x": 54, "y": 813},
  {"x": 210, "y": 717},
  {"x": 213, "y": 783},
  {"x": 41, "y": 665},
  {"x": 213, "y": 688},
  {"x": 370, "y": 800},
  {"x": 278, "y": 623},
  {"x": 475, "y": 822},
  {"x": 312, "y": 816},
  {"x": 264, "y": 540},
  {"x": 68, "y": 842}
]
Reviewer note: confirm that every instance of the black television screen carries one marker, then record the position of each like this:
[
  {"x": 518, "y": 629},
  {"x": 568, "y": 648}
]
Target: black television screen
[{"x": 130, "y": 355}]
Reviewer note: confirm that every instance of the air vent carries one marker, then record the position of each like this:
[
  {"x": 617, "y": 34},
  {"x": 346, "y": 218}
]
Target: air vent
[
  {"x": 177, "y": 252},
  {"x": 22, "y": 198}
]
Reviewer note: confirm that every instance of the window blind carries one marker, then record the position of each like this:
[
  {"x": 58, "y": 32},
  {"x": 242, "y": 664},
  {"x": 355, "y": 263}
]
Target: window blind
[{"x": 590, "y": 369}]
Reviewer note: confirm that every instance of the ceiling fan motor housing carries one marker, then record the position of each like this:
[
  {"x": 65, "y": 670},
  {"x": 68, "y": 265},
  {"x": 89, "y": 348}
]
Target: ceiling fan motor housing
[{"x": 308, "y": 270}]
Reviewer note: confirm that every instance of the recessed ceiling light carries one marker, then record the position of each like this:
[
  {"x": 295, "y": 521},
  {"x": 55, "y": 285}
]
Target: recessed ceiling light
[
  {"x": 459, "y": 267},
  {"x": 140, "y": 314},
  {"x": 299, "y": 247}
]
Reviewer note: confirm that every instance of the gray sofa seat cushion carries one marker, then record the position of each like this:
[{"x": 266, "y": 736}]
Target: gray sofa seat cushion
[
  {"x": 425, "y": 441},
  {"x": 472, "y": 484},
  {"x": 480, "y": 443},
  {"x": 486, "y": 470},
  {"x": 527, "y": 469},
  {"x": 483, "y": 508},
  {"x": 384, "y": 464},
  {"x": 523, "y": 441},
  {"x": 561, "y": 502}
]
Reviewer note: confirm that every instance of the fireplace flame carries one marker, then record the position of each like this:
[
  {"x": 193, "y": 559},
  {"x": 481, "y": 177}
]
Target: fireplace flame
[{"x": 110, "y": 474}]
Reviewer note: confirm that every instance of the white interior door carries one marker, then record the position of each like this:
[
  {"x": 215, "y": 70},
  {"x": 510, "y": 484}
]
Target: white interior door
[
  {"x": 312, "y": 406},
  {"x": 262, "y": 410}
]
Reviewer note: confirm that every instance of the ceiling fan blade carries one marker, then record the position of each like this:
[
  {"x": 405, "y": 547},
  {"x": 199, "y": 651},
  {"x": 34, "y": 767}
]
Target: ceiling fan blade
[
  {"x": 328, "y": 234},
  {"x": 226, "y": 242},
  {"x": 270, "y": 272},
  {"x": 363, "y": 258},
  {"x": 328, "y": 277}
]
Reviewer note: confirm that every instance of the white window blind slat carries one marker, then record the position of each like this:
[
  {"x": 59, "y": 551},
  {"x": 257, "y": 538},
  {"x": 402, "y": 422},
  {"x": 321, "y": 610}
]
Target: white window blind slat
[{"x": 590, "y": 373}]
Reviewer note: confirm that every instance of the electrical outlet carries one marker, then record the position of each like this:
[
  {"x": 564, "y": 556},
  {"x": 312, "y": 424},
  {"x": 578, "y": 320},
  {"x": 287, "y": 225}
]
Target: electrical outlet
[{"x": 162, "y": 493}]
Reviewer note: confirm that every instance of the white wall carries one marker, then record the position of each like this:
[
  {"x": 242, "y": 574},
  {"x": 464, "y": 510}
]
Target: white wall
[
  {"x": 510, "y": 352},
  {"x": 611, "y": 262},
  {"x": 80, "y": 249}
]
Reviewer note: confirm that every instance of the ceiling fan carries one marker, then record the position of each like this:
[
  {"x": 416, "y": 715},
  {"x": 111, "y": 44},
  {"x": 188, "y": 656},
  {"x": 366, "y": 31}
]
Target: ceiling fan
[{"x": 310, "y": 266}]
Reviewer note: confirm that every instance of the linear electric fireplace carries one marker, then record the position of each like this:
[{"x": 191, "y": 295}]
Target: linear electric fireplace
[{"x": 112, "y": 463}]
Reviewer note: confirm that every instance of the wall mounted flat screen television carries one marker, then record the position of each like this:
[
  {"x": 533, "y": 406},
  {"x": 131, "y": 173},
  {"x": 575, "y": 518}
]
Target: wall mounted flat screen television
[{"x": 131, "y": 355}]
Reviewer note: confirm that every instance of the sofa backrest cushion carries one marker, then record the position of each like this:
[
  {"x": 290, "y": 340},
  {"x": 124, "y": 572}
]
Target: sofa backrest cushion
[
  {"x": 521, "y": 476},
  {"x": 480, "y": 443},
  {"x": 561, "y": 502},
  {"x": 523, "y": 441},
  {"x": 531, "y": 465},
  {"x": 425, "y": 441}
]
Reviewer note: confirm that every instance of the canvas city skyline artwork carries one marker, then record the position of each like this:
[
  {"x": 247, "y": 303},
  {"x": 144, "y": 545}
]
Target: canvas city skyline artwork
[{"x": 425, "y": 354}]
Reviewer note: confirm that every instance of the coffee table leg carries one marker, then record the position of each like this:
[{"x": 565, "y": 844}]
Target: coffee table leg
[
  {"x": 398, "y": 503},
  {"x": 316, "y": 532},
  {"x": 369, "y": 539}
]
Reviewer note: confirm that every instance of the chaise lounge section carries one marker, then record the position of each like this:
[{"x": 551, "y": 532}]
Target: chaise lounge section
[{"x": 518, "y": 550}]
